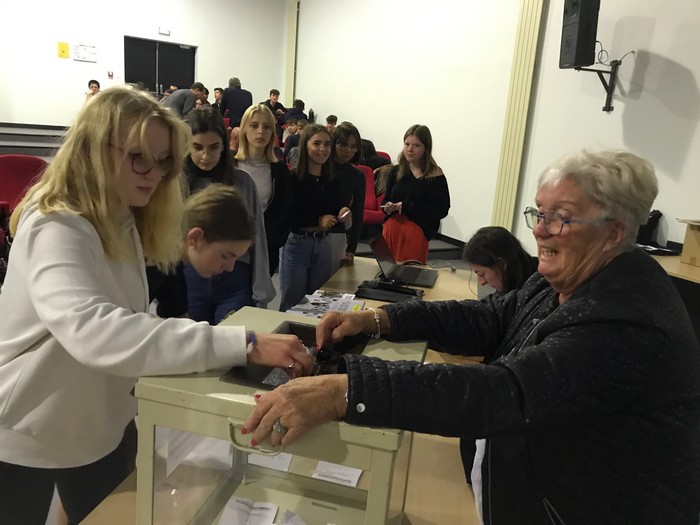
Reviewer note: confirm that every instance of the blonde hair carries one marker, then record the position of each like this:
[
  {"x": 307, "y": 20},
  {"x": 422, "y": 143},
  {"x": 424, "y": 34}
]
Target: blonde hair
[
  {"x": 83, "y": 178},
  {"x": 221, "y": 213},
  {"x": 243, "y": 147}
]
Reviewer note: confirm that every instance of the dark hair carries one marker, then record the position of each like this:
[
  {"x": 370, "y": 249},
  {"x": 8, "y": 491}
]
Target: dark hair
[
  {"x": 93, "y": 82},
  {"x": 310, "y": 131},
  {"x": 331, "y": 119},
  {"x": 204, "y": 120},
  {"x": 221, "y": 213},
  {"x": 198, "y": 85},
  {"x": 274, "y": 92},
  {"x": 341, "y": 134},
  {"x": 496, "y": 247},
  {"x": 291, "y": 121},
  {"x": 428, "y": 164},
  {"x": 299, "y": 104},
  {"x": 220, "y": 90}
]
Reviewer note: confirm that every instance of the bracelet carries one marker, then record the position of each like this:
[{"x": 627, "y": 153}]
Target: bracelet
[
  {"x": 376, "y": 320},
  {"x": 252, "y": 341}
]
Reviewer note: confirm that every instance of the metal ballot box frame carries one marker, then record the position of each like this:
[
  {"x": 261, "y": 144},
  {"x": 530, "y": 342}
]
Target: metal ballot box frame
[{"x": 203, "y": 405}]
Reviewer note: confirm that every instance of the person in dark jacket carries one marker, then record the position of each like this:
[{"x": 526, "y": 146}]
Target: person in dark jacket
[
  {"x": 256, "y": 155},
  {"x": 587, "y": 405},
  {"x": 234, "y": 101}
]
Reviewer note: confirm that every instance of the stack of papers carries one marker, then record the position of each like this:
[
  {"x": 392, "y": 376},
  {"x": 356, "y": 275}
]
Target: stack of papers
[{"x": 322, "y": 301}]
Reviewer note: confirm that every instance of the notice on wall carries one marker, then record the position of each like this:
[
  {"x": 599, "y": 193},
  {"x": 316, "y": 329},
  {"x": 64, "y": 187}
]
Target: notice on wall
[{"x": 83, "y": 53}]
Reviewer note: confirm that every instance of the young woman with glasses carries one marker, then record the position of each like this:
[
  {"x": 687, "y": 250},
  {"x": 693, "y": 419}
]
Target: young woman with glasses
[{"x": 75, "y": 331}]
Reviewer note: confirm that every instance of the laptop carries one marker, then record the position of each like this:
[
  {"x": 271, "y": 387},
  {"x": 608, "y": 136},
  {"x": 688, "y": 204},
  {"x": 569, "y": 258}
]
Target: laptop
[{"x": 399, "y": 273}]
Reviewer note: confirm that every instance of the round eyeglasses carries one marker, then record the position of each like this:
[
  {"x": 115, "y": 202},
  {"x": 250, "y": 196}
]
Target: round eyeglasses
[
  {"x": 554, "y": 222},
  {"x": 348, "y": 147},
  {"x": 143, "y": 166}
]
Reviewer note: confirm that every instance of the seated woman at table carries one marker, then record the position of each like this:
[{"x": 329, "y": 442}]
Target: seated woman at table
[
  {"x": 75, "y": 332},
  {"x": 498, "y": 259},
  {"x": 592, "y": 373},
  {"x": 306, "y": 257},
  {"x": 416, "y": 200}
]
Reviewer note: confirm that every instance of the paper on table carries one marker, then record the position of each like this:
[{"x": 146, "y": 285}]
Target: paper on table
[
  {"x": 337, "y": 473},
  {"x": 278, "y": 462},
  {"x": 243, "y": 511},
  {"x": 290, "y": 518}
]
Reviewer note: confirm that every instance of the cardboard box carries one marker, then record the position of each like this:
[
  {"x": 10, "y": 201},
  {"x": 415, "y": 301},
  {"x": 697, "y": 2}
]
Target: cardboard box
[{"x": 691, "y": 243}]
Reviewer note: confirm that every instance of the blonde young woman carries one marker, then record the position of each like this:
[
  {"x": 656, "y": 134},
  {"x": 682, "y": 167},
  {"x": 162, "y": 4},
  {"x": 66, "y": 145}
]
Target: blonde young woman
[
  {"x": 75, "y": 331},
  {"x": 256, "y": 155}
]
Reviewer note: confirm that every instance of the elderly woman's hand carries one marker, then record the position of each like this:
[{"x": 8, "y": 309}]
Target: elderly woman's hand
[
  {"x": 282, "y": 350},
  {"x": 284, "y": 414},
  {"x": 336, "y": 325}
]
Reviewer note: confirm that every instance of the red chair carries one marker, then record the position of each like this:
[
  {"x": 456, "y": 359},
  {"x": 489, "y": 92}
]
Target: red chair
[
  {"x": 17, "y": 172},
  {"x": 373, "y": 214},
  {"x": 385, "y": 155}
]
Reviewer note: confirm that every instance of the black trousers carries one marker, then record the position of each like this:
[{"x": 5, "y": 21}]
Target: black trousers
[{"x": 26, "y": 492}]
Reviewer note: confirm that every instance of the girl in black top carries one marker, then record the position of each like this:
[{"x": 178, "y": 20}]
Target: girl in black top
[
  {"x": 416, "y": 198},
  {"x": 305, "y": 259}
]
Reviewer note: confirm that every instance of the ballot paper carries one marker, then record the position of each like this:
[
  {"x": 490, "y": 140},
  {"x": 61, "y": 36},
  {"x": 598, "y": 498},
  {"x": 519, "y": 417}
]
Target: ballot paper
[{"x": 340, "y": 474}]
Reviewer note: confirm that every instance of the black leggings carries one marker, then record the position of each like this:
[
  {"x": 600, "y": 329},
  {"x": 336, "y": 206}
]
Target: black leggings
[{"x": 26, "y": 492}]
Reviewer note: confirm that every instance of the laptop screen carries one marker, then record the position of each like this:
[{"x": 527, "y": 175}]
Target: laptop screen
[{"x": 382, "y": 252}]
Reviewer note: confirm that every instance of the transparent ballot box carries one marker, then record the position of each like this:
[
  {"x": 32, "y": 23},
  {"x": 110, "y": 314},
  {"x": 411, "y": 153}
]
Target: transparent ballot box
[
  {"x": 195, "y": 467},
  {"x": 199, "y": 468}
]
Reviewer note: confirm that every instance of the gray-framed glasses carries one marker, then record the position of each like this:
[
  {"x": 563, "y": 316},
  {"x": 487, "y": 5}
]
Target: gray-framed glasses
[
  {"x": 554, "y": 222},
  {"x": 143, "y": 166}
]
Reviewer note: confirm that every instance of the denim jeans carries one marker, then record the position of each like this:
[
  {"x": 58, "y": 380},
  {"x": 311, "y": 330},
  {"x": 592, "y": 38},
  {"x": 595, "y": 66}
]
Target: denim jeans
[
  {"x": 214, "y": 298},
  {"x": 305, "y": 265}
]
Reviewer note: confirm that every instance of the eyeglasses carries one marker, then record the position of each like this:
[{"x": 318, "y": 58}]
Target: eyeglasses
[
  {"x": 349, "y": 147},
  {"x": 143, "y": 166},
  {"x": 554, "y": 222}
]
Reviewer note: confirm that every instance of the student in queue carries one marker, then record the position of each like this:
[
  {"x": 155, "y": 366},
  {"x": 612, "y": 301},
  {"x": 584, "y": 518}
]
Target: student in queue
[{"x": 75, "y": 332}]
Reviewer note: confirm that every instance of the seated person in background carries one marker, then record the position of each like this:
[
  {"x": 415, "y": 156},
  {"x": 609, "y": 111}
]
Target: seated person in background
[
  {"x": 331, "y": 123},
  {"x": 296, "y": 111},
  {"x": 217, "y": 98},
  {"x": 417, "y": 198},
  {"x": 234, "y": 141},
  {"x": 591, "y": 379},
  {"x": 93, "y": 89},
  {"x": 75, "y": 331},
  {"x": 183, "y": 101},
  {"x": 277, "y": 109},
  {"x": 289, "y": 129},
  {"x": 369, "y": 156},
  {"x": 293, "y": 139},
  {"x": 498, "y": 259},
  {"x": 165, "y": 96}
]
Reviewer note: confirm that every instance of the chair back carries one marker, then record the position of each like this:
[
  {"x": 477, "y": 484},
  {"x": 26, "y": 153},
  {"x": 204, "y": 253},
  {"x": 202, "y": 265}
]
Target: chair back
[
  {"x": 384, "y": 154},
  {"x": 373, "y": 214},
  {"x": 17, "y": 172}
]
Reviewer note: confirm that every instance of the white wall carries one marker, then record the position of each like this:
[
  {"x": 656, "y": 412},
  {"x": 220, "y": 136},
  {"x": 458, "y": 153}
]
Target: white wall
[
  {"x": 657, "y": 105},
  {"x": 242, "y": 38},
  {"x": 385, "y": 65}
]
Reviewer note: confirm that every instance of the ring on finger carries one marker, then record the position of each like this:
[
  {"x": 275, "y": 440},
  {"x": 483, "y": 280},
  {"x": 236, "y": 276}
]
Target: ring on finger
[
  {"x": 291, "y": 365},
  {"x": 279, "y": 427}
]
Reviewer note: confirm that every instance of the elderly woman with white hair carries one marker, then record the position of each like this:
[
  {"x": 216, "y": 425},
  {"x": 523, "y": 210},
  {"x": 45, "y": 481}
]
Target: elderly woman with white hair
[{"x": 587, "y": 405}]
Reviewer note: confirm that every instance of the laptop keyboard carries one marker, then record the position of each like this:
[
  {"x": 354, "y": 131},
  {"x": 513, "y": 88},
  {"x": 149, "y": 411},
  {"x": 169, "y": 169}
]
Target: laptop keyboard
[{"x": 407, "y": 273}]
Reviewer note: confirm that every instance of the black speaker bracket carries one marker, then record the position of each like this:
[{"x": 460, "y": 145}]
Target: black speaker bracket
[{"x": 609, "y": 86}]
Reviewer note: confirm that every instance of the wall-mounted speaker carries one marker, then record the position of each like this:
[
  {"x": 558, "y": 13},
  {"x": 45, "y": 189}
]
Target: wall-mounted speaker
[{"x": 578, "y": 33}]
